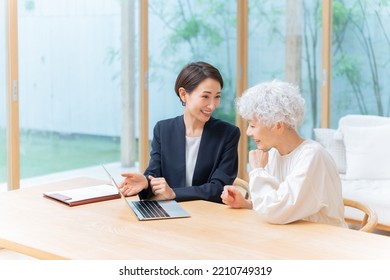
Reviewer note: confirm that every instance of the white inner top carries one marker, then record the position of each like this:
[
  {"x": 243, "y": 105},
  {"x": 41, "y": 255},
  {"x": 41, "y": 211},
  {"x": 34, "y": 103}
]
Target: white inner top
[{"x": 192, "y": 149}]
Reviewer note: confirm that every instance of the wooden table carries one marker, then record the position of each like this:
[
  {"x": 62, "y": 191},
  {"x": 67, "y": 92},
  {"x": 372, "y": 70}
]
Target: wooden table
[{"x": 46, "y": 229}]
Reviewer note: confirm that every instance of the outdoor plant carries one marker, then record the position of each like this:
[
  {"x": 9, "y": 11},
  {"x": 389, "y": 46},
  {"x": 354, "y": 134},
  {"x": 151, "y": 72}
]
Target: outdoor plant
[{"x": 361, "y": 53}]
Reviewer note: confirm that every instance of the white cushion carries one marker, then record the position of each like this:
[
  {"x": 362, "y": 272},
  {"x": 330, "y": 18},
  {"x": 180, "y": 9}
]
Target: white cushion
[
  {"x": 363, "y": 120},
  {"x": 335, "y": 147},
  {"x": 359, "y": 120},
  {"x": 367, "y": 158},
  {"x": 374, "y": 194},
  {"x": 367, "y": 151}
]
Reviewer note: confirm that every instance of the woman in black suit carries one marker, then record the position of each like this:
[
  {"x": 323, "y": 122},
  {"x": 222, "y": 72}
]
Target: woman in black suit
[{"x": 194, "y": 155}]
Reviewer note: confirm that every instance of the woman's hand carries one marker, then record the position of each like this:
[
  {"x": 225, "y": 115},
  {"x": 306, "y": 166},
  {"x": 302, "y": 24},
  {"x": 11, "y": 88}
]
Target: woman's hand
[
  {"x": 258, "y": 159},
  {"x": 233, "y": 197},
  {"x": 161, "y": 189},
  {"x": 133, "y": 183}
]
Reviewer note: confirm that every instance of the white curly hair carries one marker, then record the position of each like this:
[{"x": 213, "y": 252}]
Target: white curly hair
[{"x": 273, "y": 102}]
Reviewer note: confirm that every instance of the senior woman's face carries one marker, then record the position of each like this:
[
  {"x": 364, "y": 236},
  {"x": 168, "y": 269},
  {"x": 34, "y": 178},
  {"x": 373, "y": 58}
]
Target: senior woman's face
[{"x": 261, "y": 134}]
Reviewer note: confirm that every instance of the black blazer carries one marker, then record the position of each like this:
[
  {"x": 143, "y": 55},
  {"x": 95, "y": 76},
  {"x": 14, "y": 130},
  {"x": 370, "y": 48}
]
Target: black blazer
[{"x": 216, "y": 164}]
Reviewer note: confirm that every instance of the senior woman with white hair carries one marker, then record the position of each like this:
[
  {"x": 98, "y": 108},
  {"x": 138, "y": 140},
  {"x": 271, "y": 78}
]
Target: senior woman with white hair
[{"x": 291, "y": 178}]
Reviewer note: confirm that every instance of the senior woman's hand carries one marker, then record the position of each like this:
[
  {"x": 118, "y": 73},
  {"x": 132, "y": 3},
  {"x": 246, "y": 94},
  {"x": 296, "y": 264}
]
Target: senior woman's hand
[
  {"x": 258, "y": 159},
  {"x": 233, "y": 197}
]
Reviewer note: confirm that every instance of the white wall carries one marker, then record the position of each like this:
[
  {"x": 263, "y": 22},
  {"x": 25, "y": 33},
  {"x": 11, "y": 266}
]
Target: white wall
[{"x": 66, "y": 81}]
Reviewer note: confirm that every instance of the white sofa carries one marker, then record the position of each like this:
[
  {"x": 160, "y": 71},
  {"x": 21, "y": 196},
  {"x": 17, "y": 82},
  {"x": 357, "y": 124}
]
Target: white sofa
[{"x": 361, "y": 150}]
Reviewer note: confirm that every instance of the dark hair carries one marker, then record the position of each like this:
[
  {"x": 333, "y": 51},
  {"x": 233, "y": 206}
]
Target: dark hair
[{"x": 193, "y": 74}]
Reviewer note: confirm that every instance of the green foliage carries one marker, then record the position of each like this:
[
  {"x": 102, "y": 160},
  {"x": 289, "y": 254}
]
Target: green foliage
[
  {"x": 192, "y": 29},
  {"x": 112, "y": 55},
  {"x": 202, "y": 30},
  {"x": 226, "y": 116},
  {"x": 29, "y": 5},
  {"x": 350, "y": 66},
  {"x": 340, "y": 17},
  {"x": 355, "y": 50},
  {"x": 198, "y": 31}
]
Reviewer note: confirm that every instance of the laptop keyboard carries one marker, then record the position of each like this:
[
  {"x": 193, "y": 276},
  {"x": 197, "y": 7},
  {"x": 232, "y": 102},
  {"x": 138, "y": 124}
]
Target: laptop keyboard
[{"x": 150, "y": 209}]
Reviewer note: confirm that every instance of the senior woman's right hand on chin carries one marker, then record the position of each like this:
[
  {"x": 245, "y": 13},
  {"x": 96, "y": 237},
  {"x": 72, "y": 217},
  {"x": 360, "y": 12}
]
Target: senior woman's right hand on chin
[
  {"x": 133, "y": 183},
  {"x": 258, "y": 159}
]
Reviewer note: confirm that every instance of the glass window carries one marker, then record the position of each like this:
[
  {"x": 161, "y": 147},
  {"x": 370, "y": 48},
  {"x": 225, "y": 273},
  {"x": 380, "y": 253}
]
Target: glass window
[
  {"x": 361, "y": 58},
  {"x": 181, "y": 32},
  {"x": 70, "y": 84},
  {"x": 285, "y": 43},
  {"x": 3, "y": 100}
]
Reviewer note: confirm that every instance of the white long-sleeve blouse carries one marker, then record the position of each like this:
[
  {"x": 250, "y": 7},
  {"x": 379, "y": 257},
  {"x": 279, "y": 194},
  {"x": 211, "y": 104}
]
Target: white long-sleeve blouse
[{"x": 303, "y": 185}]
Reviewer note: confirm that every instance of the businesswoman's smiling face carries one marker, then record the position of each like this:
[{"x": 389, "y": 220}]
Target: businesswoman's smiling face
[{"x": 203, "y": 100}]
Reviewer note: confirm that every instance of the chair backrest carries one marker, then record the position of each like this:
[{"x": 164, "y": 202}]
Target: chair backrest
[
  {"x": 370, "y": 218},
  {"x": 243, "y": 185}
]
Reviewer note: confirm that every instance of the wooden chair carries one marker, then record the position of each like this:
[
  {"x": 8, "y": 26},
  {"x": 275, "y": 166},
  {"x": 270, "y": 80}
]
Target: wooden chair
[
  {"x": 370, "y": 218},
  {"x": 243, "y": 185}
]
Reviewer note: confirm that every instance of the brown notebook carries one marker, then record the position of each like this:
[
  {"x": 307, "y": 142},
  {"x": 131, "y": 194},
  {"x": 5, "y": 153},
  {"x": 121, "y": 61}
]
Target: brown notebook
[{"x": 79, "y": 196}]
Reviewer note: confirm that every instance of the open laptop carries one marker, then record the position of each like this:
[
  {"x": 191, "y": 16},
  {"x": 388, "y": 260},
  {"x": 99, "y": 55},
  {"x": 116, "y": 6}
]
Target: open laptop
[{"x": 152, "y": 209}]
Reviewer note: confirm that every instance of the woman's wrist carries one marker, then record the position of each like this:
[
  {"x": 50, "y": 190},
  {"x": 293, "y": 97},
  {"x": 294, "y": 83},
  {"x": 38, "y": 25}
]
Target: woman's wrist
[
  {"x": 147, "y": 184},
  {"x": 248, "y": 204}
]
